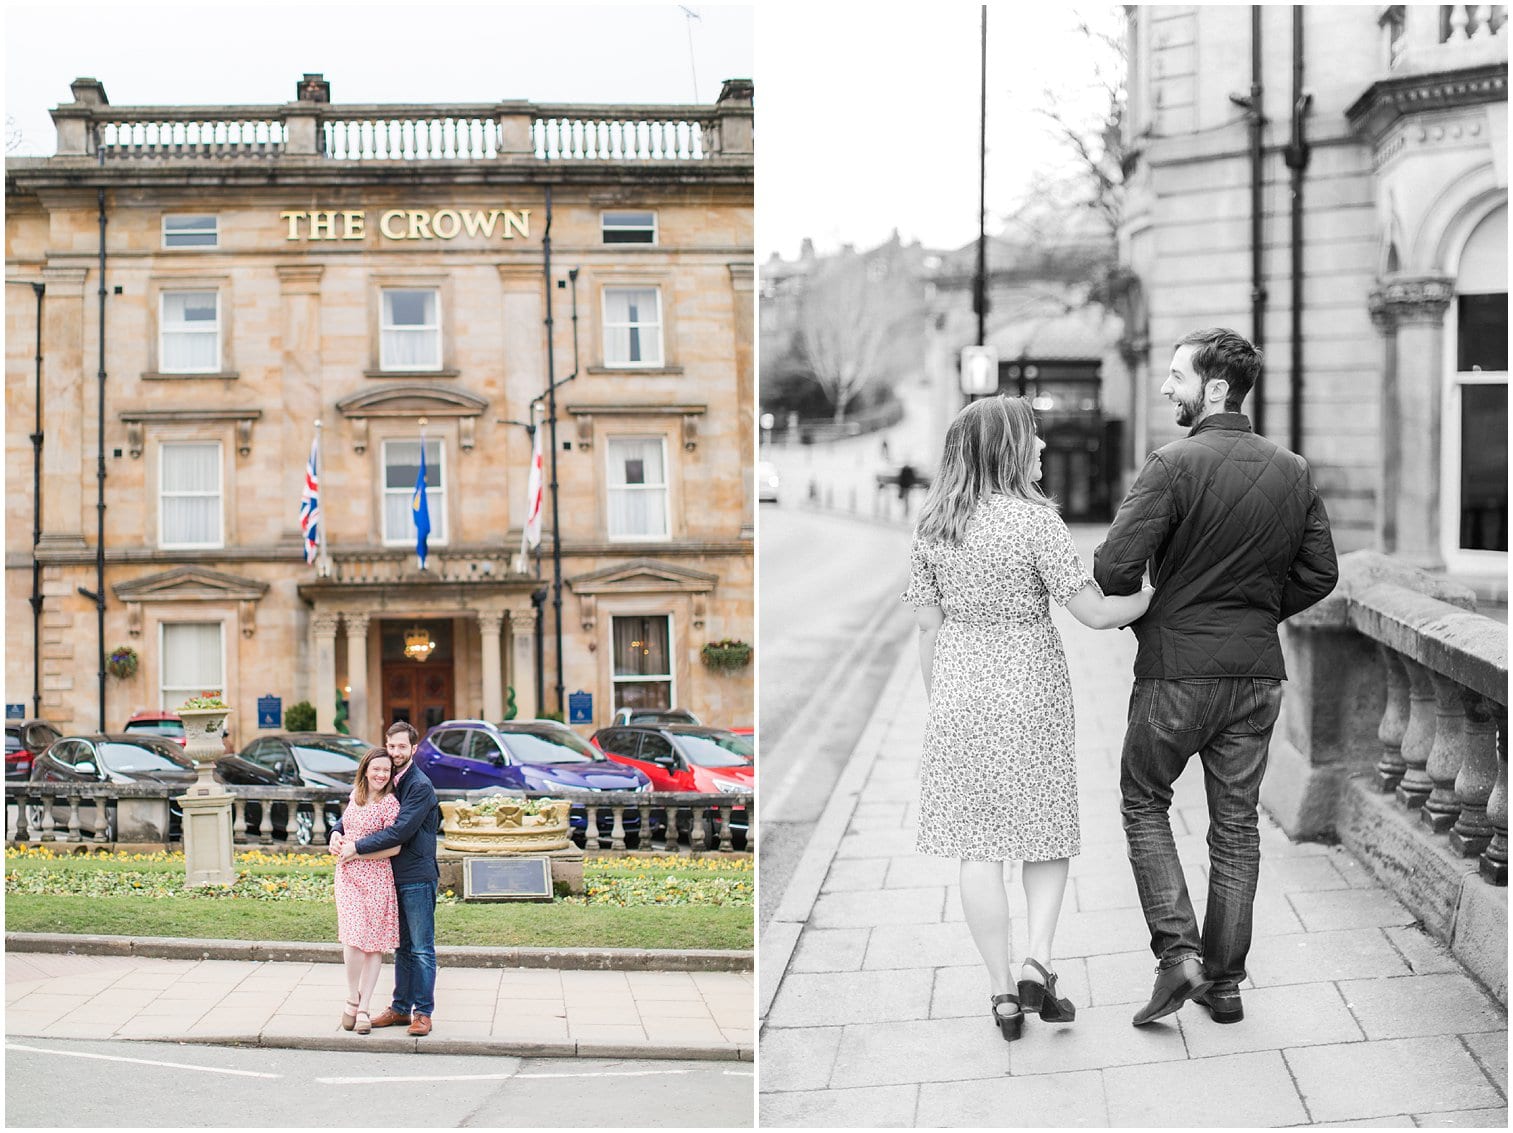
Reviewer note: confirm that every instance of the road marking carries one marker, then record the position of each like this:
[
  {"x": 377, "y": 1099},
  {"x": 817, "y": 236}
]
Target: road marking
[
  {"x": 740, "y": 1074},
  {"x": 494, "y": 1077},
  {"x": 142, "y": 1061}
]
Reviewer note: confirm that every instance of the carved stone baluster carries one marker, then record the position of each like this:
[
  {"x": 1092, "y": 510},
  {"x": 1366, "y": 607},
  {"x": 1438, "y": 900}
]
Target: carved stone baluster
[
  {"x": 1459, "y": 18},
  {"x": 696, "y": 838},
  {"x": 49, "y": 820},
  {"x": 1418, "y": 737},
  {"x": 751, "y": 824},
  {"x": 1481, "y": 17},
  {"x": 617, "y": 830},
  {"x": 102, "y": 819},
  {"x": 319, "y": 833},
  {"x": 1390, "y": 768},
  {"x": 591, "y": 828},
  {"x": 1446, "y": 755},
  {"x": 73, "y": 817},
  {"x": 238, "y": 819},
  {"x": 670, "y": 844},
  {"x": 644, "y": 837},
  {"x": 1478, "y": 774},
  {"x": 23, "y": 828},
  {"x": 265, "y": 827},
  {"x": 726, "y": 842},
  {"x": 1494, "y": 862}
]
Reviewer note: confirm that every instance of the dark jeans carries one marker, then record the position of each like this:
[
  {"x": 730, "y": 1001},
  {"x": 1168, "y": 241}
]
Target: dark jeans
[
  {"x": 415, "y": 958},
  {"x": 1227, "y": 721}
]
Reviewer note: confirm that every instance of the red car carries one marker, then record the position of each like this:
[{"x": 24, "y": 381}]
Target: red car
[
  {"x": 683, "y": 757},
  {"x": 165, "y": 724}
]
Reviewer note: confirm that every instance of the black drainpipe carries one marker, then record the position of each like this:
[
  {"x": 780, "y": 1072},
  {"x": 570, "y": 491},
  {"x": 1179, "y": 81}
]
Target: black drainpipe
[
  {"x": 36, "y": 438},
  {"x": 1296, "y": 156},
  {"x": 1257, "y": 203}
]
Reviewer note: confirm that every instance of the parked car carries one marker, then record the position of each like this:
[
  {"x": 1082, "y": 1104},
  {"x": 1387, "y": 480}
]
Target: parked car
[
  {"x": 655, "y": 716},
  {"x": 523, "y": 755},
  {"x": 294, "y": 759},
  {"x": 24, "y": 741},
  {"x": 111, "y": 758},
  {"x": 159, "y": 724},
  {"x": 682, "y": 757},
  {"x": 767, "y": 482}
]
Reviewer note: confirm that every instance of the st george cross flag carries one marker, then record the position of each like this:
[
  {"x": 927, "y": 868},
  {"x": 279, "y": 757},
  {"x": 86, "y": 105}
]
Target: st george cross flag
[
  {"x": 421, "y": 509},
  {"x": 309, "y": 504},
  {"x": 533, "y": 495}
]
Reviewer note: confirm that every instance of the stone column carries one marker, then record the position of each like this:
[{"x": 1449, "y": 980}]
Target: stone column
[
  {"x": 357, "y": 672},
  {"x": 1410, "y": 313},
  {"x": 523, "y": 662},
  {"x": 63, "y": 385},
  {"x": 489, "y": 622},
  {"x": 325, "y": 671}
]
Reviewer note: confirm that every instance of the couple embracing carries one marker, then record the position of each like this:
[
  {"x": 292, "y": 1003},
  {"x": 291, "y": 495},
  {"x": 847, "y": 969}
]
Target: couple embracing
[
  {"x": 1236, "y": 539},
  {"x": 386, "y": 882}
]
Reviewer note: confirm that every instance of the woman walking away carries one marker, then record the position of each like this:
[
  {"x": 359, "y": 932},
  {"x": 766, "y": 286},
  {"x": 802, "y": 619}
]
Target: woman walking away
[
  {"x": 367, "y": 909},
  {"x": 998, "y": 780}
]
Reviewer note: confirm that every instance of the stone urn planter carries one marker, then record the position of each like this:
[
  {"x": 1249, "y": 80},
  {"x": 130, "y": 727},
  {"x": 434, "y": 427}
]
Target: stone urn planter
[
  {"x": 503, "y": 825},
  {"x": 202, "y": 739}
]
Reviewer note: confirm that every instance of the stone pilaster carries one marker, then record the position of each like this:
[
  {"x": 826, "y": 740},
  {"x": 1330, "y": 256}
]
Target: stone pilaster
[
  {"x": 523, "y": 662},
  {"x": 1410, "y": 313},
  {"x": 325, "y": 670},
  {"x": 489, "y": 622},
  {"x": 63, "y": 385},
  {"x": 357, "y": 671}
]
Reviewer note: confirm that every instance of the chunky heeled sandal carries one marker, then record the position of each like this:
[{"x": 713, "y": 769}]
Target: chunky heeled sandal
[
  {"x": 1039, "y": 997},
  {"x": 349, "y": 1018},
  {"x": 364, "y": 1024},
  {"x": 1010, "y": 1026}
]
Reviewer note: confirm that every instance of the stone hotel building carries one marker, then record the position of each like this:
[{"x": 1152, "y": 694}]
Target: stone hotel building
[{"x": 209, "y": 282}]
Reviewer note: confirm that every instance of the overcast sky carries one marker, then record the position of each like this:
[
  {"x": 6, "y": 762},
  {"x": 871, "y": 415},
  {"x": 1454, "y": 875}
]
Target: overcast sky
[
  {"x": 224, "y": 53},
  {"x": 870, "y": 124}
]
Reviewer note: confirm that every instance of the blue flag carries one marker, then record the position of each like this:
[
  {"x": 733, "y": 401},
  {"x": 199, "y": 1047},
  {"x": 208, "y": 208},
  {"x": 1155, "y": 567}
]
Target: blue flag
[{"x": 421, "y": 509}]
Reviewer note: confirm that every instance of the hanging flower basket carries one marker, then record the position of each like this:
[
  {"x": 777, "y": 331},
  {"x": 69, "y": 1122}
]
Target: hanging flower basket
[
  {"x": 122, "y": 662},
  {"x": 726, "y": 656}
]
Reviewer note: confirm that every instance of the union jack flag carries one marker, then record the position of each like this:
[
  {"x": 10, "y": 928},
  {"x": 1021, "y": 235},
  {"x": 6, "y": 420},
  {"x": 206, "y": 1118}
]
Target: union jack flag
[{"x": 309, "y": 504}]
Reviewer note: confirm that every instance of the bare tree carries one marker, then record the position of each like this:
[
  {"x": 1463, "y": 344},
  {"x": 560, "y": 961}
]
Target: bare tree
[
  {"x": 852, "y": 308},
  {"x": 13, "y": 134}
]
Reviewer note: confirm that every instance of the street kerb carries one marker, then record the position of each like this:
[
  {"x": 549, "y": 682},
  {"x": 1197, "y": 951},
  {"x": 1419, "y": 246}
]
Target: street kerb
[{"x": 782, "y": 935}]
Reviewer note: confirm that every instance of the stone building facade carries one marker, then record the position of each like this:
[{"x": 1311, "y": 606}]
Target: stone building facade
[
  {"x": 1382, "y": 174},
  {"x": 381, "y": 270}
]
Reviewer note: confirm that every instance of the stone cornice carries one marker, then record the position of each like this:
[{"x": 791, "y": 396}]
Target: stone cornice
[
  {"x": 134, "y": 419},
  {"x": 1384, "y": 103}
]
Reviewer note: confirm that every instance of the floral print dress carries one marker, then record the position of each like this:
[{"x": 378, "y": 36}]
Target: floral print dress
[
  {"x": 367, "y": 908},
  {"x": 998, "y": 780}
]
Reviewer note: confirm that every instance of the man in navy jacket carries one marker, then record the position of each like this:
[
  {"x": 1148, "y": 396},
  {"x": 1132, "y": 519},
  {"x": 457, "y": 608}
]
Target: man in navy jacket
[
  {"x": 416, "y": 879},
  {"x": 1236, "y": 538}
]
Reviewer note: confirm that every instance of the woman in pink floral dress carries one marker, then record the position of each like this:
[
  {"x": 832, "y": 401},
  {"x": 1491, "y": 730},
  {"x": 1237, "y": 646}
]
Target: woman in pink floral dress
[{"x": 367, "y": 909}]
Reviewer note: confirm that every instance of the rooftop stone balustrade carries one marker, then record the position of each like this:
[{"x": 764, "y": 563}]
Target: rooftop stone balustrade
[{"x": 1393, "y": 738}]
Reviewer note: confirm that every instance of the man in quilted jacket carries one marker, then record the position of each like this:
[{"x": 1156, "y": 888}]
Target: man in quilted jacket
[{"x": 1236, "y": 539}]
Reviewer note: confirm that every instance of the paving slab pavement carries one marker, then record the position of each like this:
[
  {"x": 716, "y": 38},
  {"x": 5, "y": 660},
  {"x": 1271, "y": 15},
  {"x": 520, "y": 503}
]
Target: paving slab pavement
[
  {"x": 529, "y": 1012},
  {"x": 873, "y": 998}
]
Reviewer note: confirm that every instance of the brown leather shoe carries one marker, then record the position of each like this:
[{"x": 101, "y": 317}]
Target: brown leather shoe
[
  {"x": 419, "y": 1024},
  {"x": 388, "y": 1017}
]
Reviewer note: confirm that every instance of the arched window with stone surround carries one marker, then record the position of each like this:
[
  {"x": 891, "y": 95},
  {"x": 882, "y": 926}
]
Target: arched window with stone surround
[{"x": 1474, "y": 528}]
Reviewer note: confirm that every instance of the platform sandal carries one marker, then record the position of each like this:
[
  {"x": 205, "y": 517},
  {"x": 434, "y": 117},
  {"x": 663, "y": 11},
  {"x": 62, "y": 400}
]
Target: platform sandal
[
  {"x": 1039, "y": 997},
  {"x": 1011, "y": 1026}
]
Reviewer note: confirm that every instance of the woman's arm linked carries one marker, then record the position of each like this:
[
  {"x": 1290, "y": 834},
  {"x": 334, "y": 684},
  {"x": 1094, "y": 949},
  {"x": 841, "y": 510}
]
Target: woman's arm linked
[
  {"x": 1097, "y": 610},
  {"x": 929, "y": 619},
  {"x": 389, "y": 853}
]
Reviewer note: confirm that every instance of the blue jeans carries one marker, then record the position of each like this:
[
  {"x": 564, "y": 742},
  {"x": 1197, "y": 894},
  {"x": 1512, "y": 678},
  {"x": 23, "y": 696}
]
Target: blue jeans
[
  {"x": 415, "y": 958},
  {"x": 1227, "y": 722}
]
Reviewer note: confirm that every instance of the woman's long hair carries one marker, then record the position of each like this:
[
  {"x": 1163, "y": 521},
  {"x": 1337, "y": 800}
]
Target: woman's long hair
[
  {"x": 360, "y": 787},
  {"x": 990, "y": 447}
]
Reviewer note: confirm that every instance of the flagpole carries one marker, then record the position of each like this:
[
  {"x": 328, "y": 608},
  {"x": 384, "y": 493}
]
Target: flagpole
[
  {"x": 424, "y": 486},
  {"x": 322, "y": 558}
]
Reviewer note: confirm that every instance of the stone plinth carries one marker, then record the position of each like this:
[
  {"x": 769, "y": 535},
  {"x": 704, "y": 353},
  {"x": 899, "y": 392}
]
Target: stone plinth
[{"x": 567, "y": 868}]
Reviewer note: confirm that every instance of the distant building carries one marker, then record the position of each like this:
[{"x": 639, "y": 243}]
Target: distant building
[
  {"x": 373, "y": 267},
  {"x": 1395, "y": 120}
]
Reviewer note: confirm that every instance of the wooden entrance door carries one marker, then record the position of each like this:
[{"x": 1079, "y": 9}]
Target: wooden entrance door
[{"x": 420, "y": 692}]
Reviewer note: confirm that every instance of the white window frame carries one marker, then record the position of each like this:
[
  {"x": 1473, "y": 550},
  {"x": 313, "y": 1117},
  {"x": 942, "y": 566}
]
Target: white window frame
[
  {"x": 163, "y": 699},
  {"x": 214, "y": 231},
  {"x": 435, "y": 495},
  {"x": 1458, "y": 558},
  {"x": 660, "y": 361},
  {"x": 163, "y": 329},
  {"x": 384, "y": 328},
  {"x": 219, "y": 495},
  {"x": 610, "y": 487},
  {"x": 672, "y": 668},
  {"x": 605, "y": 227}
]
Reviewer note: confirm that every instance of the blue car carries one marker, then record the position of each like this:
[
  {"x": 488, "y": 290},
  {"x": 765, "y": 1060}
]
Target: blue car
[{"x": 526, "y": 755}]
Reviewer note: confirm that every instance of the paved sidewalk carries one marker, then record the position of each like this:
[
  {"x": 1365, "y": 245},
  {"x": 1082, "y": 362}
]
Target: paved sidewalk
[
  {"x": 876, "y": 1003},
  {"x": 528, "y": 1012}
]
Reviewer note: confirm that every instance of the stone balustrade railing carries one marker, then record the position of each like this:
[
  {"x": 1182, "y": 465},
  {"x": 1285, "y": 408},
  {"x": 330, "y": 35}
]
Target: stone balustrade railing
[
  {"x": 442, "y": 564},
  {"x": 481, "y": 132},
  {"x": 106, "y": 814},
  {"x": 1431, "y": 38},
  {"x": 1393, "y": 738}
]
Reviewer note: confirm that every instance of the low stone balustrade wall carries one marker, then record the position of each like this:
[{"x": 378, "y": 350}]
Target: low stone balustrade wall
[
  {"x": 1393, "y": 738},
  {"x": 103, "y": 815}
]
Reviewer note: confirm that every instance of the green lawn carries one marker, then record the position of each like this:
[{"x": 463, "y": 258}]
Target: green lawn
[{"x": 631, "y": 903}]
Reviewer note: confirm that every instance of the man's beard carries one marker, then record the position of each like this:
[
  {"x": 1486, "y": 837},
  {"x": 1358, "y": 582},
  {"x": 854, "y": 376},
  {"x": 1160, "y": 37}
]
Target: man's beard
[{"x": 1188, "y": 411}]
